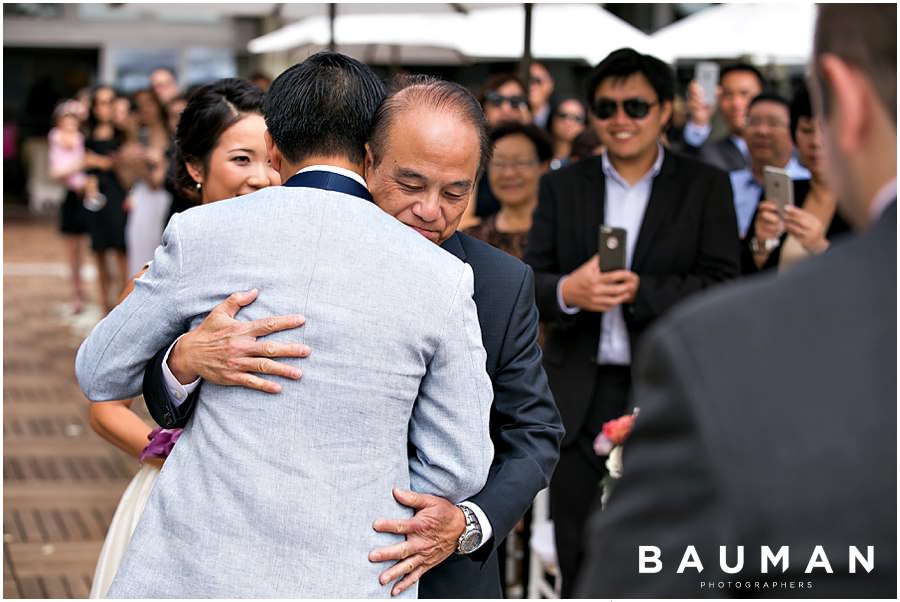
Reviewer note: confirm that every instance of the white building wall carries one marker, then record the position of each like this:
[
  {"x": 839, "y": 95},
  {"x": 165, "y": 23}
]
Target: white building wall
[{"x": 115, "y": 38}]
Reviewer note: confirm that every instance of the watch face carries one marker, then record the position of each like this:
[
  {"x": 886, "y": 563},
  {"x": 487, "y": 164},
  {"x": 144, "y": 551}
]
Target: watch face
[{"x": 468, "y": 541}]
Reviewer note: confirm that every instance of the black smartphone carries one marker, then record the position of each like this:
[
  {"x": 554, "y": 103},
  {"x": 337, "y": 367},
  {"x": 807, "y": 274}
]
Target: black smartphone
[{"x": 611, "y": 248}]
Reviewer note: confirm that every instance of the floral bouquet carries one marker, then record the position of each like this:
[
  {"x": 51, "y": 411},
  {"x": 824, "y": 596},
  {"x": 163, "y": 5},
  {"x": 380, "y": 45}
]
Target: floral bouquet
[{"x": 609, "y": 443}]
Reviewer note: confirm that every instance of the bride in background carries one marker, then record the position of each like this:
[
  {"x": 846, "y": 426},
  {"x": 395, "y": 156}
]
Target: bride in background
[{"x": 220, "y": 154}]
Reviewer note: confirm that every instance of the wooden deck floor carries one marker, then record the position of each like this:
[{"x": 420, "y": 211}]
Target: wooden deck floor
[{"x": 61, "y": 482}]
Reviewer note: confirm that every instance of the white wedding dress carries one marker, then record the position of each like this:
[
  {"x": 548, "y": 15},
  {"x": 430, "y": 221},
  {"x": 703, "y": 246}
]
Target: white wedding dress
[
  {"x": 146, "y": 222},
  {"x": 127, "y": 515}
]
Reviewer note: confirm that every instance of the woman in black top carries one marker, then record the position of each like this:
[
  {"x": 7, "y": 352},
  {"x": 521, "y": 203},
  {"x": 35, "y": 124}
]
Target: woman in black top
[{"x": 105, "y": 196}]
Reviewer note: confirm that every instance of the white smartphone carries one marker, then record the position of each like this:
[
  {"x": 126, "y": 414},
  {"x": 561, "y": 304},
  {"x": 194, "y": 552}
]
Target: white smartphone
[
  {"x": 778, "y": 187},
  {"x": 707, "y": 75}
]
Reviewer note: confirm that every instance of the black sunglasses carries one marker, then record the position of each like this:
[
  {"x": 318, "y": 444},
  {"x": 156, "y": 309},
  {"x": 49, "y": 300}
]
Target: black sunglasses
[
  {"x": 496, "y": 100},
  {"x": 570, "y": 117},
  {"x": 636, "y": 108}
]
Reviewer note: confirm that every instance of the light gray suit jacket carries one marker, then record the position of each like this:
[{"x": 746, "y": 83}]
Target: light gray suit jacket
[{"x": 275, "y": 495}]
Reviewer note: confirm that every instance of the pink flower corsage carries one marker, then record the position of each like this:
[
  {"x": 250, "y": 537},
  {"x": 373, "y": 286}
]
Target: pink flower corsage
[{"x": 614, "y": 433}]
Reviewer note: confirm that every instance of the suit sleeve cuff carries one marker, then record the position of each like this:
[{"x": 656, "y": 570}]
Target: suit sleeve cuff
[
  {"x": 486, "y": 530},
  {"x": 562, "y": 304},
  {"x": 696, "y": 135},
  {"x": 177, "y": 392}
]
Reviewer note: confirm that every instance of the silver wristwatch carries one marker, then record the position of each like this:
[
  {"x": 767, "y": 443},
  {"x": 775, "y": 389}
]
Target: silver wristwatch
[
  {"x": 761, "y": 247},
  {"x": 471, "y": 535}
]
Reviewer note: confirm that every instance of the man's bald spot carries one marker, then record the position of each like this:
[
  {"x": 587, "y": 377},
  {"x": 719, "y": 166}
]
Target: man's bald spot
[{"x": 420, "y": 92}]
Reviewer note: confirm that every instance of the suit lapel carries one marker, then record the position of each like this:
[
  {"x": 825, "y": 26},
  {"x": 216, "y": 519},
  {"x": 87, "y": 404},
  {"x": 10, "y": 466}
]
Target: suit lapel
[
  {"x": 735, "y": 158},
  {"x": 453, "y": 245},
  {"x": 662, "y": 195},
  {"x": 590, "y": 209}
]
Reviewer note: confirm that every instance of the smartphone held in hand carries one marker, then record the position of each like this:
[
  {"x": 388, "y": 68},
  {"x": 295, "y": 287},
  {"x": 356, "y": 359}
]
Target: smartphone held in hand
[
  {"x": 778, "y": 188},
  {"x": 611, "y": 248},
  {"x": 707, "y": 75}
]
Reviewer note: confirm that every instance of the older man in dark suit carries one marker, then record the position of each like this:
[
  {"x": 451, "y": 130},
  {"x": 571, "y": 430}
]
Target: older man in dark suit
[
  {"x": 414, "y": 177},
  {"x": 768, "y": 422},
  {"x": 680, "y": 238}
]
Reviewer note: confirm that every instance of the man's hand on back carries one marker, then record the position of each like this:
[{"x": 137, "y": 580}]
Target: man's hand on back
[
  {"x": 431, "y": 536},
  {"x": 225, "y": 351}
]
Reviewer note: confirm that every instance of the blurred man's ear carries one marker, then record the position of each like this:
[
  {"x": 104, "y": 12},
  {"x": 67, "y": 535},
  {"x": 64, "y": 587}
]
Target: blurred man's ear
[
  {"x": 275, "y": 157},
  {"x": 848, "y": 92}
]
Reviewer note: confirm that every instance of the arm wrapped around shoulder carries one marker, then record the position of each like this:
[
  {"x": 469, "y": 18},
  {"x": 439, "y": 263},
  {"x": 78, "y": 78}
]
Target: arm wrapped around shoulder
[{"x": 449, "y": 428}]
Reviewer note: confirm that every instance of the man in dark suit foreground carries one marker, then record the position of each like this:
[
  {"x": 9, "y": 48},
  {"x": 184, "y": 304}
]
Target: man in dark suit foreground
[
  {"x": 425, "y": 178},
  {"x": 681, "y": 237},
  {"x": 769, "y": 411}
]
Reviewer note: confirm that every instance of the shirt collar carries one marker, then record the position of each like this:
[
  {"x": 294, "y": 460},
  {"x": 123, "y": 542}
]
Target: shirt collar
[
  {"x": 338, "y": 170},
  {"x": 610, "y": 171},
  {"x": 749, "y": 179},
  {"x": 741, "y": 145},
  {"x": 884, "y": 198}
]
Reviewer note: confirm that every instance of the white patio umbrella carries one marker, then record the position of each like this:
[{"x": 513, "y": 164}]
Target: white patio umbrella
[
  {"x": 778, "y": 33},
  {"x": 560, "y": 31},
  {"x": 360, "y": 30}
]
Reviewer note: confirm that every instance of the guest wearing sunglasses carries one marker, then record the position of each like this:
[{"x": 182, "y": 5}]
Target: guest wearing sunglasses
[
  {"x": 681, "y": 237},
  {"x": 504, "y": 97},
  {"x": 566, "y": 122}
]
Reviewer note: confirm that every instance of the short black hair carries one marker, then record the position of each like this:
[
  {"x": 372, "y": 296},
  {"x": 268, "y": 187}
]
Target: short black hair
[
  {"x": 323, "y": 106},
  {"x": 801, "y": 106},
  {"x": 624, "y": 62},
  {"x": 425, "y": 91},
  {"x": 536, "y": 135},
  {"x": 770, "y": 97},
  {"x": 210, "y": 110},
  {"x": 743, "y": 68}
]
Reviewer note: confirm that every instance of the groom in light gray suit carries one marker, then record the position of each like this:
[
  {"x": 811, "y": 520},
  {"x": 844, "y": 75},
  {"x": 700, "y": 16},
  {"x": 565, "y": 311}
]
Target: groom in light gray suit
[{"x": 266, "y": 497}]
